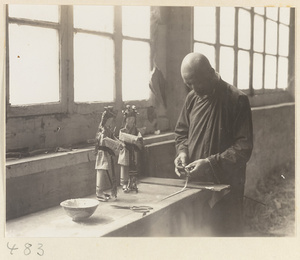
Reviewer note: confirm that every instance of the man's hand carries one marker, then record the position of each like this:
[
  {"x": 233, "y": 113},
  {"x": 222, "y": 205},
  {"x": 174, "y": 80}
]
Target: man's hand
[
  {"x": 198, "y": 168},
  {"x": 180, "y": 162}
]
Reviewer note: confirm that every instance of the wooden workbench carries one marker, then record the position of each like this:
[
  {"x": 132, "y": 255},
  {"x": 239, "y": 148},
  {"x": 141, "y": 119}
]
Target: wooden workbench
[{"x": 179, "y": 215}]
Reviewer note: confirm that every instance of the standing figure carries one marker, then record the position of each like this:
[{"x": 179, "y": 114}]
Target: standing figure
[
  {"x": 214, "y": 140},
  {"x": 105, "y": 149},
  {"x": 133, "y": 141}
]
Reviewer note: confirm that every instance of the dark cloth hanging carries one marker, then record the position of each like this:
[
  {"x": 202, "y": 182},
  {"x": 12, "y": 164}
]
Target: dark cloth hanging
[{"x": 158, "y": 86}]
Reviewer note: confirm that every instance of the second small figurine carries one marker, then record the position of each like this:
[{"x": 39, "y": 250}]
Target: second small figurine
[{"x": 133, "y": 141}]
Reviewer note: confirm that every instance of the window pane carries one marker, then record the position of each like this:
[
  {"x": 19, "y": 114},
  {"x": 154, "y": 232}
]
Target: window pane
[
  {"x": 226, "y": 64},
  {"x": 33, "y": 65},
  {"x": 207, "y": 50},
  {"x": 257, "y": 71},
  {"x": 35, "y": 12},
  {"x": 270, "y": 72},
  {"x": 95, "y": 18},
  {"x": 283, "y": 40},
  {"x": 136, "y": 70},
  {"x": 272, "y": 13},
  {"x": 136, "y": 21},
  {"x": 282, "y": 73},
  {"x": 258, "y": 43},
  {"x": 284, "y": 15},
  {"x": 93, "y": 68},
  {"x": 227, "y": 25},
  {"x": 259, "y": 10},
  {"x": 244, "y": 29},
  {"x": 205, "y": 24},
  {"x": 243, "y": 70},
  {"x": 271, "y": 37}
]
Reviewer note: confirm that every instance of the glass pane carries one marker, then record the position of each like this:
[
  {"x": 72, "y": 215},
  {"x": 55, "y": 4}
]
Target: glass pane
[
  {"x": 35, "y": 12},
  {"x": 226, "y": 64},
  {"x": 227, "y": 25},
  {"x": 243, "y": 70},
  {"x": 284, "y": 15},
  {"x": 95, "y": 18},
  {"x": 257, "y": 71},
  {"x": 270, "y": 72},
  {"x": 207, "y": 50},
  {"x": 258, "y": 43},
  {"x": 93, "y": 68},
  {"x": 135, "y": 70},
  {"x": 136, "y": 21},
  {"x": 33, "y": 65},
  {"x": 244, "y": 29},
  {"x": 272, "y": 13},
  {"x": 259, "y": 10},
  {"x": 283, "y": 73},
  {"x": 283, "y": 40},
  {"x": 271, "y": 37},
  {"x": 205, "y": 24}
]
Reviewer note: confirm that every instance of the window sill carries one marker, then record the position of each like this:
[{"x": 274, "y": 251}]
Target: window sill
[{"x": 45, "y": 162}]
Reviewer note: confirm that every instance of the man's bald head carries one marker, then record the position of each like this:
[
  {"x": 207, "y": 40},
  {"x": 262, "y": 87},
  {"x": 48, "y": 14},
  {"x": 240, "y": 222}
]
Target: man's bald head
[
  {"x": 195, "y": 63},
  {"x": 197, "y": 73}
]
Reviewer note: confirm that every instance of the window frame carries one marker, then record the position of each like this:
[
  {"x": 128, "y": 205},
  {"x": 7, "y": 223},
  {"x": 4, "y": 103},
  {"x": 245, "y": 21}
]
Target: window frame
[
  {"x": 67, "y": 104},
  {"x": 217, "y": 45}
]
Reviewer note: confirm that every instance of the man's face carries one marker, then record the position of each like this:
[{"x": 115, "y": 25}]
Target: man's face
[{"x": 200, "y": 82}]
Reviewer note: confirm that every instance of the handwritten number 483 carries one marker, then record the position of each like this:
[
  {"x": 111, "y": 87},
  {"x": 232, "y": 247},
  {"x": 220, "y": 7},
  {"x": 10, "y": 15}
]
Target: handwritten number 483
[{"x": 27, "y": 250}]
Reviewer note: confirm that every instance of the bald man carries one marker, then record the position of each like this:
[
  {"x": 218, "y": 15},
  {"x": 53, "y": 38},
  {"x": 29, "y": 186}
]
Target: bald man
[{"x": 214, "y": 140}]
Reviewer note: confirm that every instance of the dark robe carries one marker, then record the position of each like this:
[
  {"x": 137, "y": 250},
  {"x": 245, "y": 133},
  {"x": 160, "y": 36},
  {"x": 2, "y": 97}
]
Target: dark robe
[{"x": 219, "y": 127}]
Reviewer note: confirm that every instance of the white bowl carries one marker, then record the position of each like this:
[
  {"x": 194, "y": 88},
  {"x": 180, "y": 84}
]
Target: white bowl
[{"x": 79, "y": 209}]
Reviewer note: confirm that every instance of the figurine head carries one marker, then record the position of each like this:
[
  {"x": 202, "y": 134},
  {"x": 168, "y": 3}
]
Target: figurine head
[
  {"x": 129, "y": 114},
  {"x": 108, "y": 115}
]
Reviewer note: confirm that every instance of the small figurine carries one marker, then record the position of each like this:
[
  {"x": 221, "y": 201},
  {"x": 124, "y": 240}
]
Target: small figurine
[
  {"x": 106, "y": 147},
  {"x": 133, "y": 141}
]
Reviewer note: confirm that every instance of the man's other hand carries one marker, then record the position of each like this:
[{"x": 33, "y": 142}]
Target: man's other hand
[
  {"x": 198, "y": 168},
  {"x": 180, "y": 162}
]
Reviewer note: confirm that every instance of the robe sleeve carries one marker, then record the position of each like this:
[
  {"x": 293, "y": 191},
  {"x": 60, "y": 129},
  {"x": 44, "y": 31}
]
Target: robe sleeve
[
  {"x": 181, "y": 130},
  {"x": 238, "y": 154}
]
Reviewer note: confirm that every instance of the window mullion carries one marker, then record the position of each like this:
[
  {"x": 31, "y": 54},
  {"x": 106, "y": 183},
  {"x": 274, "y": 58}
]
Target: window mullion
[
  {"x": 66, "y": 59},
  {"x": 7, "y": 60},
  {"x": 251, "y": 52},
  {"x": 277, "y": 51},
  {"x": 235, "y": 45},
  {"x": 264, "y": 48},
  {"x": 118, "y": 56},
  {"x": 217, "y": 46}
]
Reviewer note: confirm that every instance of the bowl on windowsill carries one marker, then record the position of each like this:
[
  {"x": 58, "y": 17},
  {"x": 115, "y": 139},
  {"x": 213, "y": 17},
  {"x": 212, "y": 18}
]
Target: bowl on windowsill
[{"x": 80, "y": 209}]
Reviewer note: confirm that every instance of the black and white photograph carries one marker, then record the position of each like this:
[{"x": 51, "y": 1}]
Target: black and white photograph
[{"x": 152, "y": 121}]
